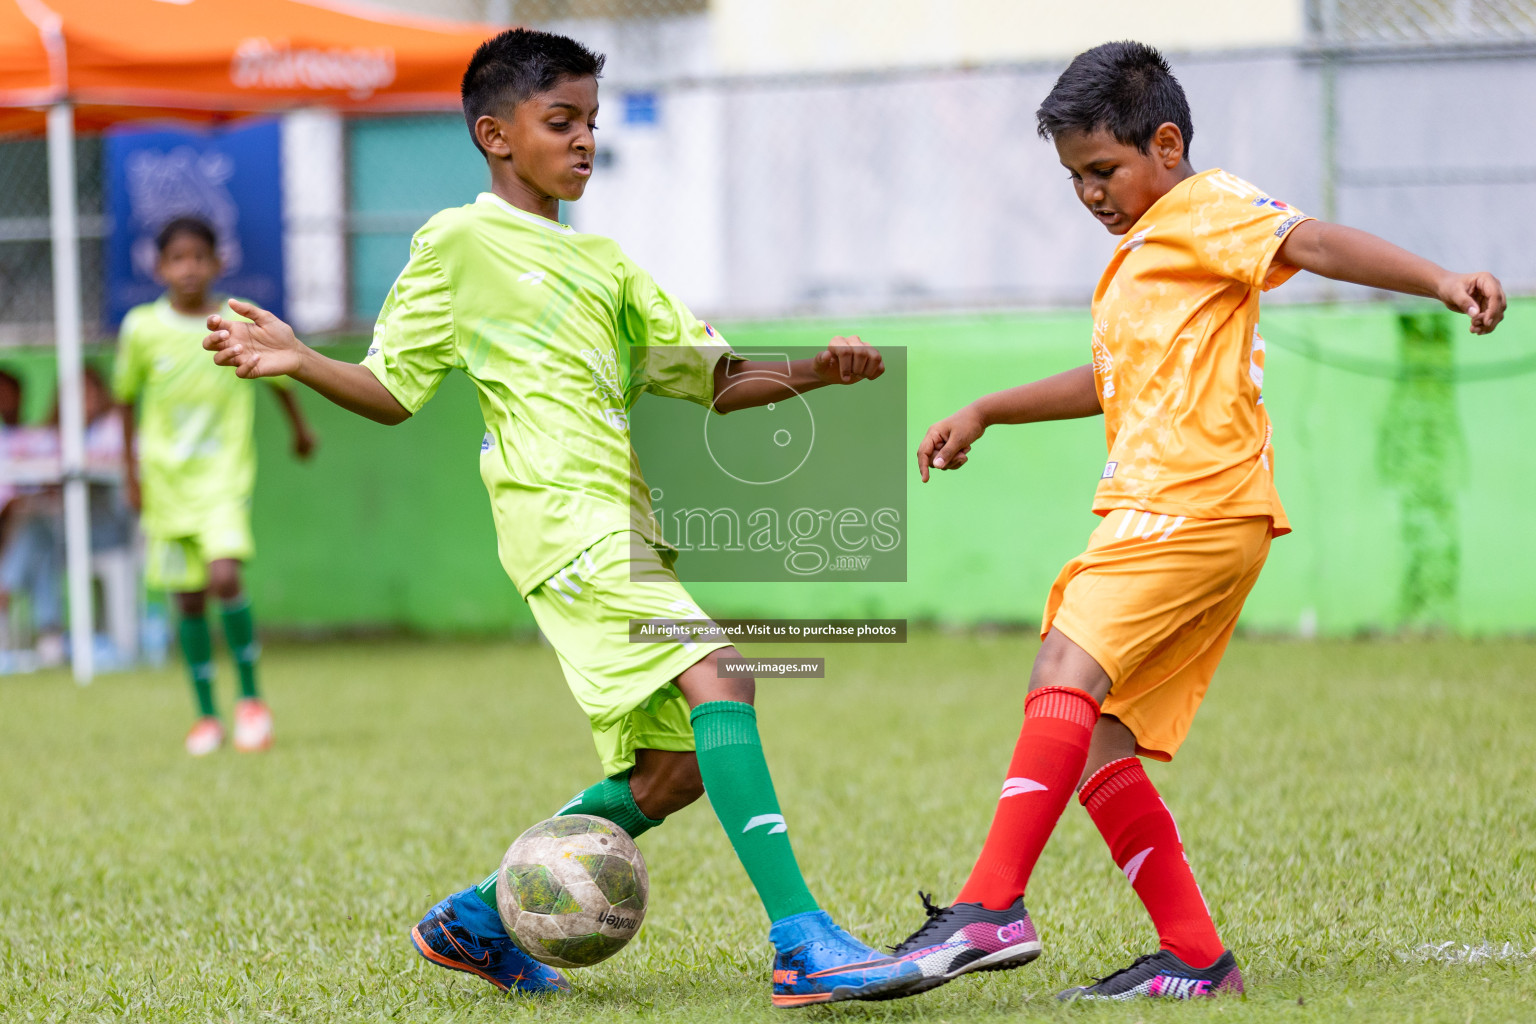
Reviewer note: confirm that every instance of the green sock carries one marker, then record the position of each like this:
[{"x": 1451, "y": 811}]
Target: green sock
[
  {"x": 240, "y": 634},
  {"x": 197, "y": 648},
  {"x": 611, "y": 799},
  {"x": 741, "y": 791}
]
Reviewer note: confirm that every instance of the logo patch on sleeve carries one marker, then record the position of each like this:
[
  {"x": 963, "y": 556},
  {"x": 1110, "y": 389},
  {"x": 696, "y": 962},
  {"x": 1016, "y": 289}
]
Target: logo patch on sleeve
[{"x": 1109, "y": 470}]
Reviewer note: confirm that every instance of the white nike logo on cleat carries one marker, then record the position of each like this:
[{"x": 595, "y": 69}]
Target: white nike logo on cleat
[
  {"x": 776, "y": 820},
  {"x": 1020, "y": 786}
]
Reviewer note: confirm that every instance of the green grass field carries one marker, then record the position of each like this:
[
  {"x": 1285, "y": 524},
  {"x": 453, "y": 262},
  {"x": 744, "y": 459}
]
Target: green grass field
[{"x": 1361, "y": 817}]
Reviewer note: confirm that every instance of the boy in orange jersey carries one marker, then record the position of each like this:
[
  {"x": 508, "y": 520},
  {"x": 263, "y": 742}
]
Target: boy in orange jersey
[{"x": 1135, "y": 626}]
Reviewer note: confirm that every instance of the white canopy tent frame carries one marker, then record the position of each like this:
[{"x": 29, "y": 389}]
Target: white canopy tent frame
[
  {"x": 423, "y": 68},
  {"x": 64, "y": 216}
]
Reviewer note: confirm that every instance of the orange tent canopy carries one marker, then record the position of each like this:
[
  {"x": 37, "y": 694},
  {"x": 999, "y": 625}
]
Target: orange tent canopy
[{"x": 123, "y": 59}]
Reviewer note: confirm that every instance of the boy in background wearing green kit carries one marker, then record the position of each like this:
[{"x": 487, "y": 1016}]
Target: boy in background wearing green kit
[
  {"x": 192, "y": 473},
  {"x": 561, "y": 333}
]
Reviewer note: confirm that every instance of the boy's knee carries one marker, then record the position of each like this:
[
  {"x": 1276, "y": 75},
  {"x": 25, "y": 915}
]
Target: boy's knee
[
  {"x": 1112, "y": 741},
  {"x": 1061, "y": 662},
  {"x": 687, "y": 785},
  {"x": 702, "y": 683},
  {"x": 192, "y": 604},
  {"x": 663, "y": 782},
  {"x": 224, "y": 579}
]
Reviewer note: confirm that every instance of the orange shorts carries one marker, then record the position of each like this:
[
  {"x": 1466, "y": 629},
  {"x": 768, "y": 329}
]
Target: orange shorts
[{"x": 1154, "y": 601}]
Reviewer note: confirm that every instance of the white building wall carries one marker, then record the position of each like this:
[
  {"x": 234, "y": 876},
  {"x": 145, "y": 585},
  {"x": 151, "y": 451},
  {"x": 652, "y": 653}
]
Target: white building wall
[
  {"x": 779, "y": 36},
  {"x": 314, "y": 219}
]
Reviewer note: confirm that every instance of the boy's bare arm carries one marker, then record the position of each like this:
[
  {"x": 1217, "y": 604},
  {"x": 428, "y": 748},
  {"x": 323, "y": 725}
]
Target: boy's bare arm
[
  {"x": 304, "y": 440},
  {"x": 126, "y": 413},
  {"x": 744, "y": 384},
  {"x": 267, "y": 347},
  {"x": 1066, "y": 396},
  {"x": 1347, "y": 254}
]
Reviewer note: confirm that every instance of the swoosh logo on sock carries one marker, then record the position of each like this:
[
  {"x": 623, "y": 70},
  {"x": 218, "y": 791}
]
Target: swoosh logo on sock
[
  {"x": 776, "y": 820},
  {"x": 574, "y": 801},
  {"x": 1020, "y": 786},
  {"x": 1133, "y": 866}
]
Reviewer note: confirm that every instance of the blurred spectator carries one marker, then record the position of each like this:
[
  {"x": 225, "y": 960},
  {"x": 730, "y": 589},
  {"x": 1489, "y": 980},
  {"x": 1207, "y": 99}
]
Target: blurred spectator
[
  {"x": 32, "y": 543},
  {"x": 10, "y": 417},
  {"x": 32, "y": 555},
  {"x": 10, "y": 400}
]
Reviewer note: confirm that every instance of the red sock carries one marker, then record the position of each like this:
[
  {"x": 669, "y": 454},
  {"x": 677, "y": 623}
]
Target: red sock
[
  {"x": 1048, "y": 761},
  {"x": 1145, "y": 843}
]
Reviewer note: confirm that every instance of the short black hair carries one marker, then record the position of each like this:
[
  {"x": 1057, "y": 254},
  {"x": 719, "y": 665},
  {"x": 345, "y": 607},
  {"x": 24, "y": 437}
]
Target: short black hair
[
  {"x": 187, "y": 226},
  {"x": 519, "y": 63},
  {"x": 1125, "y": 88}
]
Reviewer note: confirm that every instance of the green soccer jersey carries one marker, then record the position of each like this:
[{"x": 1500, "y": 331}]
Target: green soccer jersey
[
  {"x": 195, "y": 444},
  {"x": 561, "y": 333}
]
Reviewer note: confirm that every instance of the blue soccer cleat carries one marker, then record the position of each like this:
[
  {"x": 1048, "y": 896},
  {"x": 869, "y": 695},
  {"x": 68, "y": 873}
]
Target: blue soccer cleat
[
  {"x": 815, "y": 961},
  {"x": 463, "y": 934}
]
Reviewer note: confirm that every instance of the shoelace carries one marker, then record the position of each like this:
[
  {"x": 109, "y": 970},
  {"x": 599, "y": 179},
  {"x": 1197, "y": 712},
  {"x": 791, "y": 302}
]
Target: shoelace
[
  {"x": 933, "y": 911},
  {"x": 1126, "y": 969}
]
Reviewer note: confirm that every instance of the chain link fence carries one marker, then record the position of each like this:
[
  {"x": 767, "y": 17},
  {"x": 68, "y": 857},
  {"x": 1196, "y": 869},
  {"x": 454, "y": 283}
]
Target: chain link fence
[
  {"x": 26, "y": 267},
  {"x": 1389, "y": 22}
]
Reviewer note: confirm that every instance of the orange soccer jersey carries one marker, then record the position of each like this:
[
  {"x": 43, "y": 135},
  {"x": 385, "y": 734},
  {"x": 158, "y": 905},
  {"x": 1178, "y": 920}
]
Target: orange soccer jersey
[{"x": 1177, "y": 356}]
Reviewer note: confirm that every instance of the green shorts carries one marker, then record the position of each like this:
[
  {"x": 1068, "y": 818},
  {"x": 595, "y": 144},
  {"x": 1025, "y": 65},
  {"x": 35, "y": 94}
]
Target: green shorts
[
  {"x": 627, "y": 689},
  {"x": 180, "y": 563}
]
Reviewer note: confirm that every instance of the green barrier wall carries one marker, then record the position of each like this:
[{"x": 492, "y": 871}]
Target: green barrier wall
[{"x": 1403, "y": 457}]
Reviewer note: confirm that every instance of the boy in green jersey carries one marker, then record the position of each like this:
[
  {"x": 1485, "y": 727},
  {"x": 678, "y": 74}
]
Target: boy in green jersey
[
  {"x": 561, "y": 332},
  {"x": 193, "y": 470}
]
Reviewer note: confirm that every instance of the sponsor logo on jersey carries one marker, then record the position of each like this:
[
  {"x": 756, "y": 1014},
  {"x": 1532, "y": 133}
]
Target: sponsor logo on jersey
[
  {"x": 708, "y": 329},
  {"x": 485, "y": 442},
  {"x": 533, "y": 277},
  {"x": 1103, "y": 362},
  {"x": 1109, "y": 470},
  {"x": 1275, "y": 203}
]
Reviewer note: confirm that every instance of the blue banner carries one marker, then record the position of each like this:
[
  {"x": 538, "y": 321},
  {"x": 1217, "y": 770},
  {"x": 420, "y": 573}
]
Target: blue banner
[{"x": 230, "y": 177}]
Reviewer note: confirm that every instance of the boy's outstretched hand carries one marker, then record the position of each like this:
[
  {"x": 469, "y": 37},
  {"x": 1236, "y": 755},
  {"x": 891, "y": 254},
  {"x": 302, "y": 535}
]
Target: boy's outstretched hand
[
  {"x": 265, "y": 347},
  {"x": 1478, "y": 295},
  {"x": 847, "y": 360},
  {"x": 947, "y": 445}
]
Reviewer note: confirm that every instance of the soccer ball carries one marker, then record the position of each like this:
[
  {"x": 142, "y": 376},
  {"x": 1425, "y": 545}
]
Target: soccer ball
[{"x": 572, "y": 890}]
